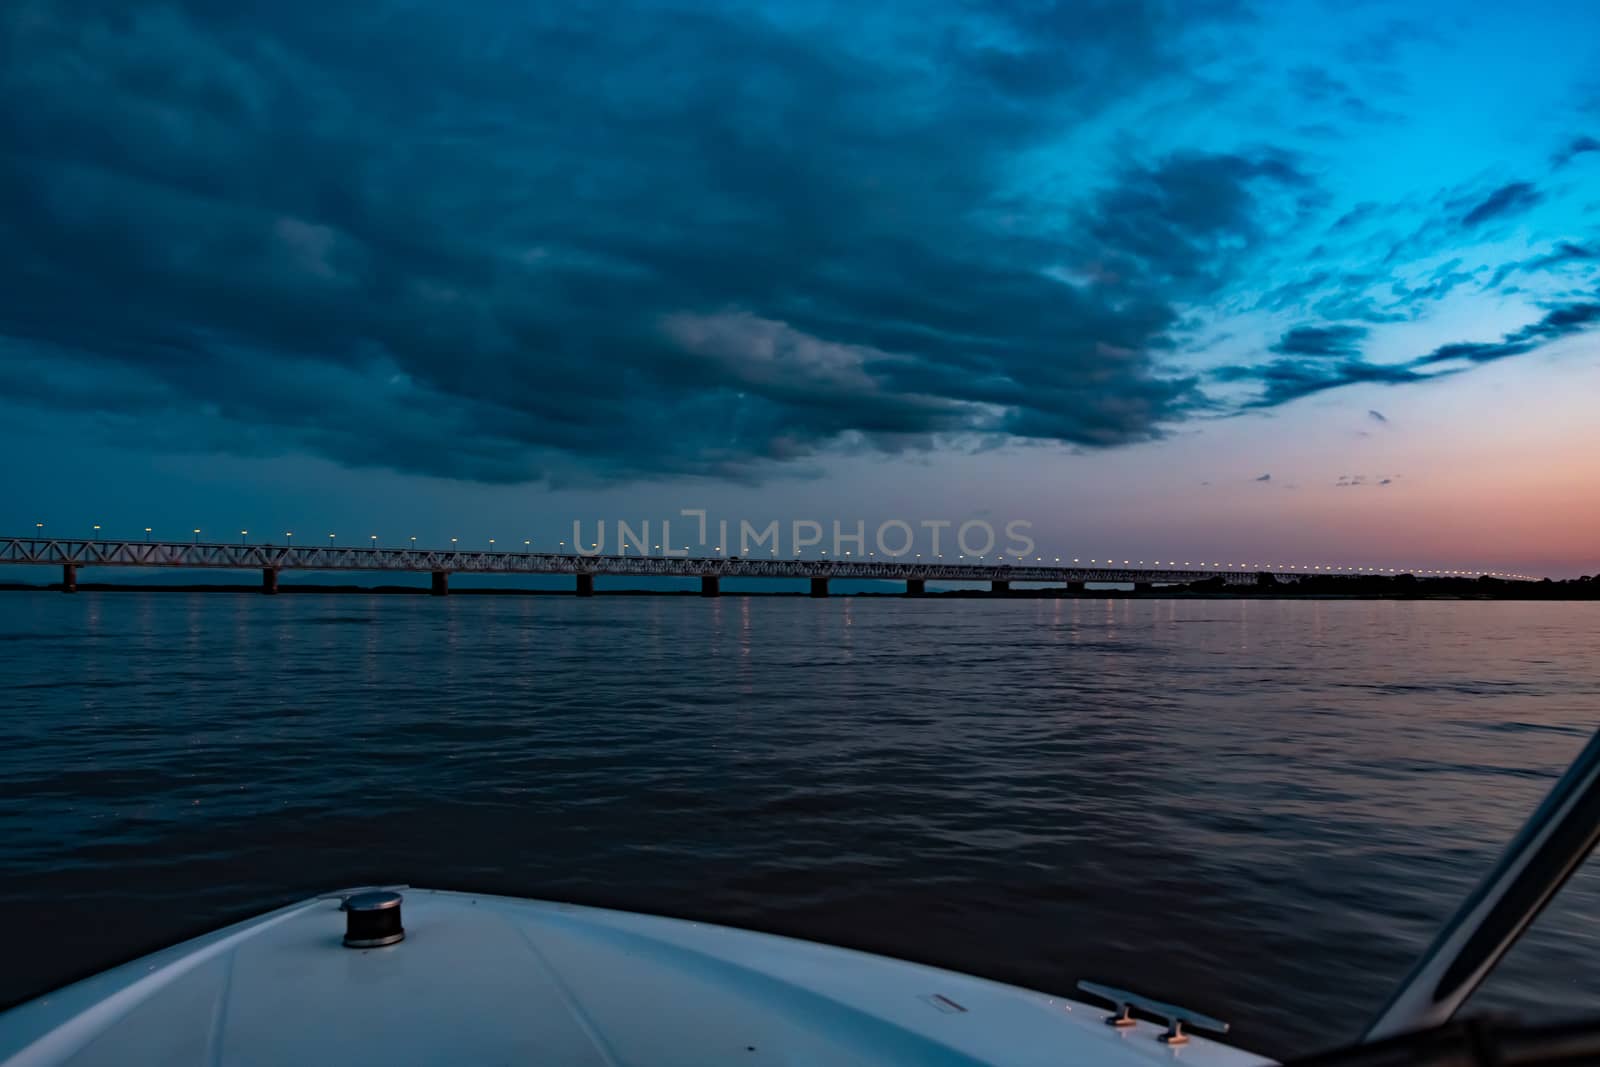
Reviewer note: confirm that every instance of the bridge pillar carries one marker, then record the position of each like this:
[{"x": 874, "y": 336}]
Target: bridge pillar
[
  {"x": 916, "y": 586},
  {"x": 1078, "y": 588},
  {"x": 1143, "y": 587},
  {"x": 819, "y": 587},
  {"x": 1000, "y": 585},
  {"x": 269, "y": 580},
  {"x": 441, "y": 583},
  {"x": 710, "y": 585},
  {"x": 585, "y": 585},
  {"x": 69, "y": 577}
]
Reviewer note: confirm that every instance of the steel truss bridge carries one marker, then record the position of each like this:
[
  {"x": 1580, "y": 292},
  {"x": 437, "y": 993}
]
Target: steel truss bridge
[{"x": 71, "y": 555}]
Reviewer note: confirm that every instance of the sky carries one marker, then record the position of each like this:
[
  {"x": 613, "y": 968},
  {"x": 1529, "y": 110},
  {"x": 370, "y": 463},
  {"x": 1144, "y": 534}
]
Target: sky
[{"x": 1297, "y": 281}]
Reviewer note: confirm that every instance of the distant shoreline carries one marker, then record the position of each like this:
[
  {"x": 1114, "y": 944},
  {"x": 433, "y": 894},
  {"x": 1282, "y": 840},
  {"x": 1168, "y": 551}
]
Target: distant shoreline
[{"x": 1499, "y": 591}]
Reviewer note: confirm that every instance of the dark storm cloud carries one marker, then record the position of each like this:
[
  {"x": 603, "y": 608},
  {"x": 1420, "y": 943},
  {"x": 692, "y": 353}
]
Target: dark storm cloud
[
  {"x": 501, "y": 243},
  {"x": 1177, "y": 223},
  {"x": 1509, "y": 199}
]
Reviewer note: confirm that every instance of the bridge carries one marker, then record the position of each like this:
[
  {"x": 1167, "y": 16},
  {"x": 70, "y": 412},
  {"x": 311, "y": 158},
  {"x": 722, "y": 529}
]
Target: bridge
[{"x": 73, "y": 554}]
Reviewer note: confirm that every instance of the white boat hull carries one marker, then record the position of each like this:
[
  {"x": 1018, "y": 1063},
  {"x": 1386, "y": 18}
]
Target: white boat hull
[{"x": 496, "y": 980}]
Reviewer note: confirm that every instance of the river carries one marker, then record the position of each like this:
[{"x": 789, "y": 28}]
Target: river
[{"x": 1261, "y": 809}]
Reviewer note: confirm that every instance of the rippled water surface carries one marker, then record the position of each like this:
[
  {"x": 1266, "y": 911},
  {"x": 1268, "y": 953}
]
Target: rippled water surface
[{"x": 1262, "y": 809}]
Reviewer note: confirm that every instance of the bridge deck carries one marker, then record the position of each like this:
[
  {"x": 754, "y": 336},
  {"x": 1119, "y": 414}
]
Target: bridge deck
[{"x": 180, "y": 554}]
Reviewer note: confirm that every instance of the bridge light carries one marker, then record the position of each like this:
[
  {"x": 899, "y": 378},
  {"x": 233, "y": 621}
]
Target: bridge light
[
  {"x": 527, "y": 542},
  {"x": 453, "y": 540},
  {"x": 413, "y": 542},
  {"x": 147, "y": 533},
  {"x": 97, "y": 527},
  {"x": 332, "y": 536},
  {"x": 196, "y": 534},
  {"x": 242, "y": 535}
]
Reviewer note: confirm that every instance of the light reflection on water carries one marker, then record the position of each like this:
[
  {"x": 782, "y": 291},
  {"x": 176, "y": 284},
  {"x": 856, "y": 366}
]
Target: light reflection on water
[{"x": 1260, "y": 808}]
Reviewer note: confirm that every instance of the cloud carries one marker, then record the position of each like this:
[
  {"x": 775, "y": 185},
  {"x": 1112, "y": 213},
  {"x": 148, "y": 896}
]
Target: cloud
[
  {"x": 1313, "y": 359},
  {"x": 1440, "y": 283},
  {"x": 1318, "y": 364},
  {"x": 1377, "y": 416},
  {"x": 1564, "y": 254},
  {"x": 1318, "y": 341},
  {"x": 1327, "y": 94},
  {"x": 1287, "y": 379},
  {"x": 1265, "y": 478},
  {"x": 1510, "y": 199},
  {"x": 754, "y": 241},
  {"x": 430, "y": 238},
  {"x": 1576, "y": 147},
  {"x": 1559, "y": 322},
  {"x": 1176, "y": 223}
]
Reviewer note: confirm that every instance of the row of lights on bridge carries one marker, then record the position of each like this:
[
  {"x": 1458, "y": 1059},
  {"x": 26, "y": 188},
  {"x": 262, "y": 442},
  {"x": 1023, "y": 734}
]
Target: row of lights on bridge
[{"x": 1304, "y": 568}]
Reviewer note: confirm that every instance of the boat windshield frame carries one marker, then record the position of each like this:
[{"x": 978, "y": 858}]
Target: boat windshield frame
[{"x": 1552, "y": 844}]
